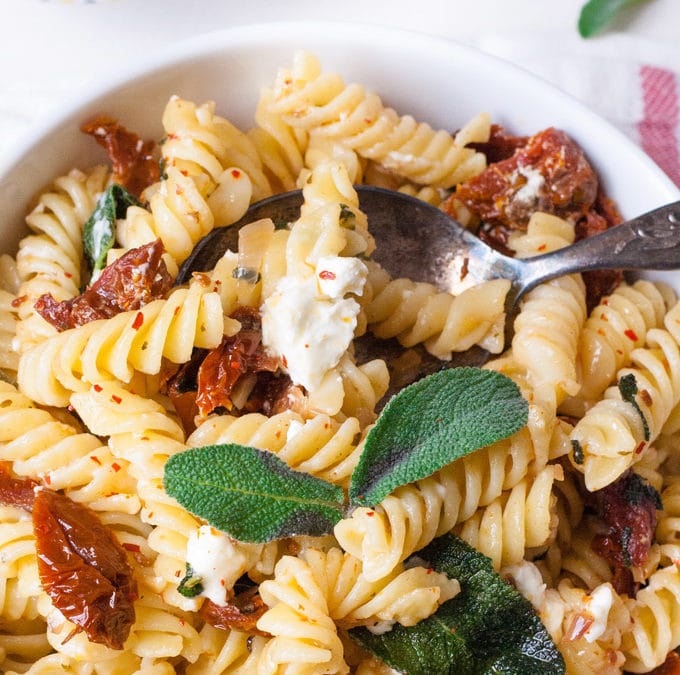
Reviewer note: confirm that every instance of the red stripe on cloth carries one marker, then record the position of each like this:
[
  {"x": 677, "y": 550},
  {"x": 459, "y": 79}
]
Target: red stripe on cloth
[{"x": 659, "y": 126}]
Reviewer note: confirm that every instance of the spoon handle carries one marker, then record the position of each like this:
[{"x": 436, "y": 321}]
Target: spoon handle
[{"x": 650, "y": 241}]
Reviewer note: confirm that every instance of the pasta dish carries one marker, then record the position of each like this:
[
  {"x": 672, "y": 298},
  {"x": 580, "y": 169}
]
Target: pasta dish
[{"x": 114, "y": 376}]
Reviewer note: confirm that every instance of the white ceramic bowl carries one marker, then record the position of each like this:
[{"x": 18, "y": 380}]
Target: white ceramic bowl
[{"x": 431, "y": 78}]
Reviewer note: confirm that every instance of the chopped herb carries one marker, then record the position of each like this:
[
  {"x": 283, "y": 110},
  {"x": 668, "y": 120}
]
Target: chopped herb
[
  {"x": 191, "y": 585},
  {"x": 246, "y": 274},
  {"x": 638, "y": 489},
  {"x": 347, "y": 217},
  {"x": 626, "y": 534},
  {"x": 579, "y": 457},
  {"x": 629, "y": 389},
  {"x": 162, "y": 166},
  {"x": 99, "y": 231}
]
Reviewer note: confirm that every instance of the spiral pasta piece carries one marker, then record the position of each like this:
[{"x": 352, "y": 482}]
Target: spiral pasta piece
[
  {"x": 551, "y": 316},
  {"x": 614, "y": 328},
  {"x": 305, "y": 638},
  {"x": 230, "y": 652},
  {"x": 130, "y": 341},
  {"x": 320, "y": 445},
  {"x": 26, "y": 650},
  {"x": 281, "y": 148},
  {"x": 49, "y": 260},
  {"x": 53, "y": 452},
  {"x": 614, "y": 433},
  {"x": 417, "y": 312},
  {"x": 9, "y": 359},
  {"x": 520, "y": 519},
  {"x": 322, "y": 104},
  {"x": 405, "y": 596},
  {"x": 413, "y": 515},
  {"x": 19, "y": 582},
  {"x": 655, "y": 622}
]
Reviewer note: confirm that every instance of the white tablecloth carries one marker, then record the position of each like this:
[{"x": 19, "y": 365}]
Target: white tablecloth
[{"x": 50, "y": 48}]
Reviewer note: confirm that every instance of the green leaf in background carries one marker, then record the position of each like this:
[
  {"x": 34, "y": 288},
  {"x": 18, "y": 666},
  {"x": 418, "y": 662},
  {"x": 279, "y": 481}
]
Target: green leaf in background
[
  {"x": 99, "y": 232},
  {"x": 487, "y": 628},
  {"x": 433, "y": 422},
  {"x": 596, "y": 14},
  {"x": 251, "y": 494}
]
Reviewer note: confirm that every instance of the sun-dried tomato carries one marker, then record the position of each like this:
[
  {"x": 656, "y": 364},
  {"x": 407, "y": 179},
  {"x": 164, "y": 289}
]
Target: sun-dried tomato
[
  {"x": 135, "y": 279},
  {"x": 500, "y": 145},
  {"x": 275, "y": 393},
  {"x": 207, "y": 382},
  {"x": 550, "y": 174},
  {"x": 16, "y": 491},
  {"x": 134, "y": 164},
  {"x": 627, "y": 509},
  {"x": 671, "y": 666},
  {"x": 83, "y": 569},
  {"x": 601, "y": 217},
  {"x": 241, "y": 613}
]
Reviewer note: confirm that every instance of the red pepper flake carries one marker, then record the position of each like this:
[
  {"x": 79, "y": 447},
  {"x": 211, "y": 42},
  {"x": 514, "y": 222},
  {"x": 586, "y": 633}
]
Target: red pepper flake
[
  {"x": 133, "y": 548},
  {"x": 236, "y": 173},
  {"x": 95, "y": 459},
  {"x": 116, "y": 399},
  {"x": 646, "y": 397},
  {"x": 542, "y": 247},
  {"x": 370, "y": 513},
  {"x": 327, "y": 275},
  {"x": 284, "y": 360},
  {"x": 177, "y": 310},
  {"x": 19, "y": 300},
  {"x": 144, "y": 438},
  {"x": 116, "y": 467},
  {"x": 464, "y": 269},
  {"x": 579, "y": 626},
  {"x": 630, "y": 334},
  {"x": 139, "y": 320},
  {"x": 47, "y": 479},
  {"x": 68, "y": 275},
  {"x": 640, "y": 448},
  {"x": 429, "y": 570}
]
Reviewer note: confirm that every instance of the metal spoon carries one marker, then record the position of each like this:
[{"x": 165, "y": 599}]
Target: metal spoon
[{"x": 421, "y": 242}]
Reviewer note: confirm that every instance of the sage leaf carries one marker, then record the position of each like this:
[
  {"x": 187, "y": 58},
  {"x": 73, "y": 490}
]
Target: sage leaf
[
  {"x": 487, "y": 628},
  {"x": 99, "y": 232},
  {"x": 596, "y": 14},
  {"x": 431, "y": 423},
  {"x": 251, "y": 494}
]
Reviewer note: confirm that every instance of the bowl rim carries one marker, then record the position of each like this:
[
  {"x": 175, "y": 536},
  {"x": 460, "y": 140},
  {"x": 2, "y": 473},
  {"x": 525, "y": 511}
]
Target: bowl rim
[{"x": 262, "y": 33}]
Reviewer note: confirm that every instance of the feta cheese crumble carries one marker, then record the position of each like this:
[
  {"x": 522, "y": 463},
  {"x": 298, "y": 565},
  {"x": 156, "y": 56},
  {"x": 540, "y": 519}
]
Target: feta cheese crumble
[{"x": 309, "y": 323}]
